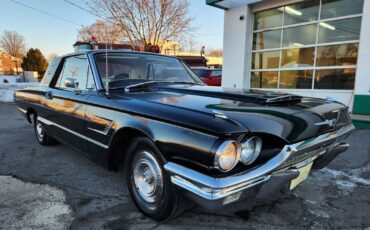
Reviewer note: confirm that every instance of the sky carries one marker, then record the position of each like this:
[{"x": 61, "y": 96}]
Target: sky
[{"x": 52, "y": 35}]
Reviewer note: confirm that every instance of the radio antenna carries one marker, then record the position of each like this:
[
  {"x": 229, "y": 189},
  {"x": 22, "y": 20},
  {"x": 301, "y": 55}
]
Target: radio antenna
[{"x": 106, "y": 64}]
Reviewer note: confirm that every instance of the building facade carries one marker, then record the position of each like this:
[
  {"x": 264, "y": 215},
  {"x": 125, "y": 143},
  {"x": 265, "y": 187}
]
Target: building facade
[
  {"x": 10, "y": 65},
  {"x": 318, "y": 48}
]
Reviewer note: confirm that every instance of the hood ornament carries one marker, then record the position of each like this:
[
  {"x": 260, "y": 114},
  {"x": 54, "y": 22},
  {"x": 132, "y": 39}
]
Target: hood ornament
[
  {"x": 331, "y": 123},
  {"x": 219, "y": 114}
]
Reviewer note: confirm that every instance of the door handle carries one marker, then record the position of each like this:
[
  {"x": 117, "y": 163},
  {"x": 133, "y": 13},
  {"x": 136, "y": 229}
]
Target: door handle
[{"x": 49, "y": 95}]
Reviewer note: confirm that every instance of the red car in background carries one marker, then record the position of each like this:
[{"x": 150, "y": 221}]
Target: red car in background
[
  {"x": 194, "y": 61},
  {"x": 211, "y": 77}
]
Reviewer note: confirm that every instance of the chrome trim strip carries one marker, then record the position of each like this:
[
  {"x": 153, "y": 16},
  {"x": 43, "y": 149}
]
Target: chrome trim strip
[
  {"x": 98, "y": 131},
  {"x": 50, "y": 123},
  {"x": 103, "y": 132},
  {"x": 22, "y": 110},
  {"x": 300, "y": 146},
  {"x": 211, "y": 188},
  {"x": 205, "y": 186}
]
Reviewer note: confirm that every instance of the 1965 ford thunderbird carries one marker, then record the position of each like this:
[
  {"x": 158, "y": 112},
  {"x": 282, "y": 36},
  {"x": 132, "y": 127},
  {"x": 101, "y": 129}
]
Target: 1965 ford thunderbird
[{"x": 177, "y": 141}]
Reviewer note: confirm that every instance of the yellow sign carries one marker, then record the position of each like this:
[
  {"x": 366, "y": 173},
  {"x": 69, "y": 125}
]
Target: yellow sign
[{"x": 303, "y": 174}]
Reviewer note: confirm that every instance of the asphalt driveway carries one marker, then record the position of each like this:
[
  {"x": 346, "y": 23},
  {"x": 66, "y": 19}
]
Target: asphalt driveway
[{"x": 82, "y": 195}]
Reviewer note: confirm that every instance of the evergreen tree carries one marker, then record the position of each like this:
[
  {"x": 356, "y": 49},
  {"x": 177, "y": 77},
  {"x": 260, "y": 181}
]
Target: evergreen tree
[{"x": 35, "y": 61}]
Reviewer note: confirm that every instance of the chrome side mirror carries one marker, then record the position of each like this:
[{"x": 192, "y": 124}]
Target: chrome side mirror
[{"x": 72, "y": 83}]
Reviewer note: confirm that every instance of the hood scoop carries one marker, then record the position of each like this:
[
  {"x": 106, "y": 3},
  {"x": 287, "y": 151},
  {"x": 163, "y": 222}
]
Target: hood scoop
[
  {"x": 284, "y": 99},
  {"x": 260, "y": 97}
]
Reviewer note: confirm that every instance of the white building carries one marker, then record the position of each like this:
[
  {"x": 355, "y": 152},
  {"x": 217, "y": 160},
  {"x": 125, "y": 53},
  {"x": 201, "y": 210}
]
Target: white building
[{"x": 318, "y": 48}]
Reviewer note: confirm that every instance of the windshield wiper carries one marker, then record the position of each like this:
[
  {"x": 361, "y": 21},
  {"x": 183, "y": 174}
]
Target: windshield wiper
[
  {"x": 150, "y": 83},
  {"x": 185, "y": 82}
]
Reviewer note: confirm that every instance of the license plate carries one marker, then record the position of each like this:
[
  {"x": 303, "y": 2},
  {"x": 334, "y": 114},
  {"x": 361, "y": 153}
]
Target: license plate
[{"x": 303, "y": 174}]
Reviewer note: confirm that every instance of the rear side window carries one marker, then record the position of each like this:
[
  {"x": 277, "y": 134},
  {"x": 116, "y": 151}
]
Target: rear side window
[{"x": 49, "y": 74}]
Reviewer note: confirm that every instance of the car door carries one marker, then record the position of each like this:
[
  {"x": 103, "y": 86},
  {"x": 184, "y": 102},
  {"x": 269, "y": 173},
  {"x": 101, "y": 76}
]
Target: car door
[
  {"x": 216, "y": 78},
  {"x": 66, "y": 102}
]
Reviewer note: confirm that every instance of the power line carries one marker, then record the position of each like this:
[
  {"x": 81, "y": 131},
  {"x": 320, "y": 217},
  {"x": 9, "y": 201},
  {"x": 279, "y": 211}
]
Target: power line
[
  {"x": 86, "y": 10},
  {"x": 46, "y": 13}
]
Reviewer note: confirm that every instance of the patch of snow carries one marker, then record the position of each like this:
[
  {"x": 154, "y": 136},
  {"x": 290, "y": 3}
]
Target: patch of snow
[
  {"x": 32, "y": 206},
  {"x": 319, "y": 213},
  {"x": 310, "y": 201},
  {"x": 346, "y": 184},
  {"x": 346, "y": 179},
  {"x": 10, "y": 79},
  {"x": 7, "y": 90}
]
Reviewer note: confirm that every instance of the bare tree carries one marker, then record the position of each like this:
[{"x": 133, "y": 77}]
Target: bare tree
[
  {"x": 13, "y": 43},
  {"x": 103, "y": 31},
  {"x": 51, "y": 57},
  {"x": 215, "y": 53},
  {"x": 146, "y": 21}
]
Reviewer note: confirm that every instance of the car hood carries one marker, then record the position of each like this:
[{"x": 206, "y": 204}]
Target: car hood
[{"x": 222, "y": 112}]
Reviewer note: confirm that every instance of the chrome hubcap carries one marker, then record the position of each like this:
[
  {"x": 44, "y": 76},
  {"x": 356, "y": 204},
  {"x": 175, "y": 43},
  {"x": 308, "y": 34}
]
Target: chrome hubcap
[
  {"x": 39, "y": 130},
  {"x": 148, "y": 177}
]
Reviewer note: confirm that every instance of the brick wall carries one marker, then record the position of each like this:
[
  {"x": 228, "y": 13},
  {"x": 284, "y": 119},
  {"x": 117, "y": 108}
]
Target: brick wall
[{"x": 9, "y": 64}]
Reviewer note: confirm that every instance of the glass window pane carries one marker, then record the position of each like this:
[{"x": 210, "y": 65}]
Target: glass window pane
[
  {"x": 340, "y": 30},
  {"x": 303, "y": 57},
  {"x": 90, "y": 81},
  {"x": 202, "y": 72},
  {"x": 265, "y": 60},
  {"x": 337, "y": 55},
  {"x": 301, "y": 12},
  {"x": 265, "y": 79},
  {"x": 300, "y": 35},
  {"x": 296, "y": 79},
  {"x": 268, "y": 19},
  {"x": 338, "y": 8},
  {"x": 335, "y": 79},
  {"x": 76, "y": 68},
  {"x": 267, "y": 39}
]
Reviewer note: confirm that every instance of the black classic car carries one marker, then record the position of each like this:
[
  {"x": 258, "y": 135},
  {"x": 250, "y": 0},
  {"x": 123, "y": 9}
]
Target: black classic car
[{"x": 176, "y": 141}]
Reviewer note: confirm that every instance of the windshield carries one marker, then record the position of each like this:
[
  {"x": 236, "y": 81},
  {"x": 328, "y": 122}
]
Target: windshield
[{"x": 125, "y": 69}]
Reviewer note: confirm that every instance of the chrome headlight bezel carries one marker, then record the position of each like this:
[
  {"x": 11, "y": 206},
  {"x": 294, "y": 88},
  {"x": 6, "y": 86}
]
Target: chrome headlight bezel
[
  {"x": 250, "y": 154},
  {"x": 220, "y": 151}
]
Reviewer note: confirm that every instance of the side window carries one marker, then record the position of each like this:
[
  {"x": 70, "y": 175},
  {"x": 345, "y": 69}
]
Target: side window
[
  {"x": 76, "y": 68},
  {"x": 90, "y": 81}
]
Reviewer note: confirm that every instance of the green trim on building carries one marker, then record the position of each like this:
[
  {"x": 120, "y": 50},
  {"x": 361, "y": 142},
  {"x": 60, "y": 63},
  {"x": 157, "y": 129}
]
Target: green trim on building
[
  {"x": 361, "y": 104},
  {"x": 213, "y": 3},
  {"x": 361, "y": 124},
  {"x": 208, "y": 2}
]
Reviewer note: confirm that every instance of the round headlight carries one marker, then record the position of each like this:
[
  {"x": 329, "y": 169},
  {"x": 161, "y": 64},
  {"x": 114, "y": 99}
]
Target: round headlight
[
  {"x": 251, "y": 148},
  {"x": 227, "y": 155}
]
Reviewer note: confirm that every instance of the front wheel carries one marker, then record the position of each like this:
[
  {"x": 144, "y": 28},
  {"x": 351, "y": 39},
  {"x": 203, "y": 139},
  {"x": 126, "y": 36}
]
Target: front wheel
[{"x": 149, "y": 185}]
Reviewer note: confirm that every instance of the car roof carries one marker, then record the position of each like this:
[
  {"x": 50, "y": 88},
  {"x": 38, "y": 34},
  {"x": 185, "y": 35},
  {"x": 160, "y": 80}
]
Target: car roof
[{"x": 103, "y": 51}]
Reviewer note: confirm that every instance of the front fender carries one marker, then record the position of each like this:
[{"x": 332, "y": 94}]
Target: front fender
[{"x": 176, "y": 143}]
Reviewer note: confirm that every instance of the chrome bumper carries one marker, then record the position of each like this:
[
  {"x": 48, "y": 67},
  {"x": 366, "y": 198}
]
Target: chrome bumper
[{"x": 213, "y": 192}]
